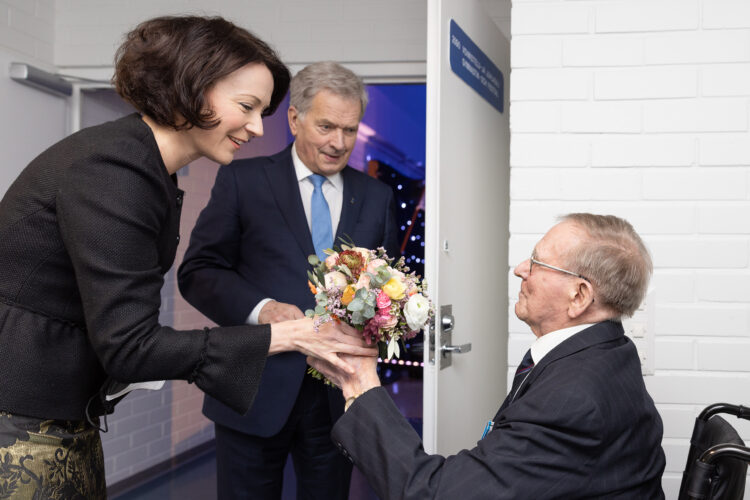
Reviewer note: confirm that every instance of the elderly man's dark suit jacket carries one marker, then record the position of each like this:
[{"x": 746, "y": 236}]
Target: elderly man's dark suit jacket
[
  {"x": 581, "y": 426},
  {"x": 252, "y": 242}
]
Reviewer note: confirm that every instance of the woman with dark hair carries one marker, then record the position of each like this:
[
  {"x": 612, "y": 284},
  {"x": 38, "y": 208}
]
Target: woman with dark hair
[{"x": 88, "y": 231}]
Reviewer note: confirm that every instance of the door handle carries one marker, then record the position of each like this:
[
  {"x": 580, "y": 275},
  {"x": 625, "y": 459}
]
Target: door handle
[{"x": 456, "y": 349}]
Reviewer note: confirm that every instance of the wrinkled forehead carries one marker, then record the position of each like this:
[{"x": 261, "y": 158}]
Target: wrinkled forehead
[{"x": 559, "y": 240}]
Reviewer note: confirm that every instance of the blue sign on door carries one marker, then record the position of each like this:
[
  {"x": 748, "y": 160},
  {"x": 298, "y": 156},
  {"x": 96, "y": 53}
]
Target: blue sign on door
[{"x": 475, "y": 68}]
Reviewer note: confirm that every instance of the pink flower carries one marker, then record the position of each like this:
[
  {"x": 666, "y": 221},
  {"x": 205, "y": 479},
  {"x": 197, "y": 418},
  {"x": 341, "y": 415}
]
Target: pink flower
[
  {"x": 384, "y": 319},
  {"x": 383, "y": 301},
  {"x": 331, "y": 261},
  {"x": 373, "y": 266},
  {"x": 363, "y": 281}
]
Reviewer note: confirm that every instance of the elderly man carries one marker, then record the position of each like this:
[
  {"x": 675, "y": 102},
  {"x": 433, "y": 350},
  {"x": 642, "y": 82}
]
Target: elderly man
[
  {"x": 578, "y": 422},
  {"x": 247, "y": 263}
]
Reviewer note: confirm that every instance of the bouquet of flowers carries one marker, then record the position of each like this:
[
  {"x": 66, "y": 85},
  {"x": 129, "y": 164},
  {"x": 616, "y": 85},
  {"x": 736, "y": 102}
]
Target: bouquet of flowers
[{"x": 372, "y": 292}]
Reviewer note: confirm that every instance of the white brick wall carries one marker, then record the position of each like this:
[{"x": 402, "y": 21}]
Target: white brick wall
[
  {"x": 633, "y": 107},
  {"x": 30, "y": 120},
  {"x": 639, "y": 108}
]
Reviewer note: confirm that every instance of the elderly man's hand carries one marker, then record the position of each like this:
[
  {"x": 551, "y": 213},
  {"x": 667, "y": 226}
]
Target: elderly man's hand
[{"x": 364, "y": 375}]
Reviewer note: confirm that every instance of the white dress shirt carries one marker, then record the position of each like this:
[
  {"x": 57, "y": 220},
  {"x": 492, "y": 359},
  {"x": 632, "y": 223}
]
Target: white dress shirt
[
  {"x": 544, "y": 344},
  {"x": 333, "y": 192}
]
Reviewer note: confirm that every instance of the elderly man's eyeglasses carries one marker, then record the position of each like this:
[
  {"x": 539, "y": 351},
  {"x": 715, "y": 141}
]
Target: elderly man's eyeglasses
[{"x": 533, "y": 261}]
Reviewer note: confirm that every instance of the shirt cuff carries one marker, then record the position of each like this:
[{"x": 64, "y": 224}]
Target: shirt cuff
[{"x": 252, "y": 319}]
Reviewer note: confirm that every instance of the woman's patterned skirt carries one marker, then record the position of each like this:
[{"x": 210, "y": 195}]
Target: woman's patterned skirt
[{"x": 50, "y": 459}]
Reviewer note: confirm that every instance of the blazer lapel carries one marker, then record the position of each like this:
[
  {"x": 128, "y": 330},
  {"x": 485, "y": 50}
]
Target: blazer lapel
[
  {"x": 599, "y": 333},
  {"x": 351, "y": 205},
  {"x": 285, "y": 188}
]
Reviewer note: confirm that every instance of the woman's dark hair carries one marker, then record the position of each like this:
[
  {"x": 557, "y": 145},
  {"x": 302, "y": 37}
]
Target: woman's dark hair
[{"x": 166, "y": 64}]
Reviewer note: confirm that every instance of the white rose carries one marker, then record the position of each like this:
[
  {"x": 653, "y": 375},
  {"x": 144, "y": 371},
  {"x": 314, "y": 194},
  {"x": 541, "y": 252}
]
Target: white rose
[
  {"x": 335, "y": 278},
  {"x": 416, "y": 311}
]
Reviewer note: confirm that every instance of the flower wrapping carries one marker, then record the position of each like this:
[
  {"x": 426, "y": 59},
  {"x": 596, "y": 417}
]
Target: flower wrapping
[{"x": 372, "y": 292}]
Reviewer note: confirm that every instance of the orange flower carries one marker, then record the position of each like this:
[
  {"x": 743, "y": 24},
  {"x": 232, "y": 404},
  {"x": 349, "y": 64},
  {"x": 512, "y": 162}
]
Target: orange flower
[
  {"x": 312, "y": 287},
  {"x": 348, "y": 295}
]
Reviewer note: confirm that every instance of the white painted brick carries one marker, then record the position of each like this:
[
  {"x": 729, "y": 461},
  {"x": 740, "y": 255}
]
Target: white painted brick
[
  {"x": 608, "y": 150},
  {"x": 646, "y": 15},
  {"x": 675, "y": 452},
  {"x": 602, "y": 51},
  {"x": 520, "y": 248},
  {"x": 725, "y": 80},
  {"x": 724, "y": 14},
  {"x": 575, "y": 184},
  {"x": 612, "y": 184},
  {"x": 698, "y": 388},
  {"x": 717, "y": 320},
  {"x": 535, "y": 116},
  {"x": 723, "y": 286},
  {"x": 535, "y": 184},
  {"x": 645, "y": 83},
  {"x": 535, "y": 52},
  {"x": 27, "y": 6},
  {"x": 699, "y": 253},
  {"x": 690, "y": 115},
  {"x": 34, "y": 26},
  {"x": 17, "y": 41},
  {"x": 566, "y": 17},
  {"x": 694, "y": 184},
  {"x": 598, "y": 117},
  {"x": 532, "y": 217},
  {"x": 698, "y": 47},
  {"x": 674, "y": 354},
  {"x": 674, "y": 286},
  {"x": 729, "y": 218},
  {"x": 678, "y": 420},
  {"x": 549, "y": 84},
  {"x": 715, "y": 355},
  {"x": 549, "y": 150},
  {"x": 724, "y": 149},
  {"x": 45, "y": 10}
]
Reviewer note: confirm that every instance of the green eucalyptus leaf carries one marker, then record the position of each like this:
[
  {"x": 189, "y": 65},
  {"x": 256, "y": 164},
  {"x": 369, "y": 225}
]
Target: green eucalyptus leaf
[
  {"x": 313, "y": 260},
  {"x": 320, "y": 310},
  {"x": 368, "y": 311},
  {"x": 355, "y": 305}
]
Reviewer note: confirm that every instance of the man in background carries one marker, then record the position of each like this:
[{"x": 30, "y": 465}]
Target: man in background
[
  {"x": 577, "y": 423},
  {"x": 247, "y": 263}
]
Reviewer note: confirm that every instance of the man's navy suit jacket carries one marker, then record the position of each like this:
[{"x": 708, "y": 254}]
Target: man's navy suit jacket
[
  {"x": 252, "y": 242},
  {"x": 581, "y": 426}
]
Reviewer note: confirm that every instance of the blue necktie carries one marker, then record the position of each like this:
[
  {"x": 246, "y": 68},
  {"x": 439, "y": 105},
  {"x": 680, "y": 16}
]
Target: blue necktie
[{"x": 322, "y": 233}]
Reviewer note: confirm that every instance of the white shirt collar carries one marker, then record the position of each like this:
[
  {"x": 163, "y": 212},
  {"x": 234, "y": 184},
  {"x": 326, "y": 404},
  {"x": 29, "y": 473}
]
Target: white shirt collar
[
  {"x": 544, "y": 344},
  {"x": 337, "y": 180}
]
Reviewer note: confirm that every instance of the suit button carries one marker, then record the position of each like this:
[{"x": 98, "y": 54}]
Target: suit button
[
  {"x": 179, "y": 201},
  {"x": 178, "y": 238}
]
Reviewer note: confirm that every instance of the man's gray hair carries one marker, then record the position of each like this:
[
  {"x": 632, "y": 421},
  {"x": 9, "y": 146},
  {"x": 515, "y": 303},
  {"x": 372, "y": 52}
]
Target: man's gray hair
[
  {"x": 614, "y": 258},
  {"x": 326, "y": 75}
]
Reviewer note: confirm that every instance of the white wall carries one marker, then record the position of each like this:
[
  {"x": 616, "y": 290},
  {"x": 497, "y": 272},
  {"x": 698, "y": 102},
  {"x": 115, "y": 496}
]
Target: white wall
[
  {"x": 632, "y": 107},
  {"x": 31, "y": 120},
  {"x": 639, "y": 108}
]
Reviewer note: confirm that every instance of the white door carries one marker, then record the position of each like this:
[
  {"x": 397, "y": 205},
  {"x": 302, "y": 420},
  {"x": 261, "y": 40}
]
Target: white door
[{"x": 466, "y": 230}]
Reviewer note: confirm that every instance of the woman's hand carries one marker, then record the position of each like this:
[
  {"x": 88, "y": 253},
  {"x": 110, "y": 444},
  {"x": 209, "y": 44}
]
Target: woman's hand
[{"x": 330, "y": 340}]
